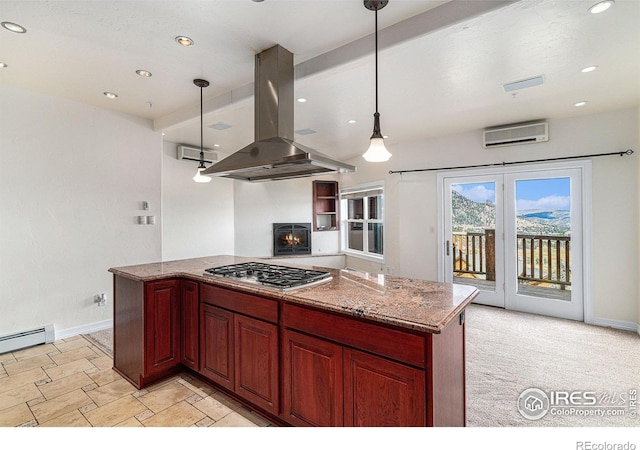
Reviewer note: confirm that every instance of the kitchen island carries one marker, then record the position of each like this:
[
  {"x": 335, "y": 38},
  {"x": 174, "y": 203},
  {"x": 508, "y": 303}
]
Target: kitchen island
[{"x": 357, "y": 350}]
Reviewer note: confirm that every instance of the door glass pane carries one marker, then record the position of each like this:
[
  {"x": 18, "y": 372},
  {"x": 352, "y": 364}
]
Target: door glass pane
[
  {"x": 543, "y": 228},
  {"x": 473, "y": 224},
  {"x": 355, "y": 236},
  {"x": 375, "y": 207},
  {"x": 375, "y": 238},
  {"x": 355, "y": 207}
]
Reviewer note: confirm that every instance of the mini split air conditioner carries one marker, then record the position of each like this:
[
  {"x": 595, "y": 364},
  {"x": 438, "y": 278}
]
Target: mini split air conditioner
[
  {"x": 193, "y": 154},
  {"x": 519, "y": 133}
]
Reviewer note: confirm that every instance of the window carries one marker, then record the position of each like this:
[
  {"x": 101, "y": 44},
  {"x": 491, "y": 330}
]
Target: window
[{"x": 363, "y": 210}]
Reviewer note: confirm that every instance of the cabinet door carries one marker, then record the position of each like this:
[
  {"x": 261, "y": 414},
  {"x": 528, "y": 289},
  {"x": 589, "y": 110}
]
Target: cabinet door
[
  {"x": 379, "y": 392},
  {"x": 256, "y": 362},
  {"x": 162, "y": 326},
  {"x": 312, "y": 381},
  {"x": 189, "y": 315},
  {"x": 216, "y": 345}
]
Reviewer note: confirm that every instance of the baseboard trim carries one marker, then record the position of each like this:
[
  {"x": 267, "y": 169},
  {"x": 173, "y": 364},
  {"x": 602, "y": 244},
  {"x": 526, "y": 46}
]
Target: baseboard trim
[
  {"x": 618, "y": 324},
  {"x": 84, "y": 329}
]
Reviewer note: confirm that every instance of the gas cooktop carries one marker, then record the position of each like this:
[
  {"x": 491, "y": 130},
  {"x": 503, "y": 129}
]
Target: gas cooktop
[{"x": 282, "y": 277}]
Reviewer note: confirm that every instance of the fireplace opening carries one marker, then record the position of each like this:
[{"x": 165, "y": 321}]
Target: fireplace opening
[{"x": 291, "y": 239}]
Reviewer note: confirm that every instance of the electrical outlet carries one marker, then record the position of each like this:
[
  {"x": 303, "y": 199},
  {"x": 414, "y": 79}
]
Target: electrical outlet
[{"x": 101, "y": 299}]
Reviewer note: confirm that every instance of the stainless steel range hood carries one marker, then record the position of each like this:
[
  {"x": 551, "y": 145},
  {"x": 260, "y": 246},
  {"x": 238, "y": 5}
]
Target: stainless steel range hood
[{"x": 274, "y": 155}]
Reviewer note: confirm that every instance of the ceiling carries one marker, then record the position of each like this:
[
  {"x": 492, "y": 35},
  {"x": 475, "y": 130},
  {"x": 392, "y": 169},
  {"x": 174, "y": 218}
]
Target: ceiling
[{"x": 442, "y": 64}]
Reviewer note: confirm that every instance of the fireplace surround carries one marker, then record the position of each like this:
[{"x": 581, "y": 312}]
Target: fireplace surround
[{"x": 291, "y": 239}]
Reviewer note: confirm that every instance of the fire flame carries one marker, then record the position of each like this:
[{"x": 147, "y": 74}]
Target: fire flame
[{"x": 290, "y": 239}]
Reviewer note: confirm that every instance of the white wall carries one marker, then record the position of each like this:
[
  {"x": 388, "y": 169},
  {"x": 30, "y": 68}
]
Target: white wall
[
  {"x": 411, "y": 200},
  {"x": 197, "y": 217},
  {"x": 72, "y": 179},
  {"x": 259, "y": 205}
]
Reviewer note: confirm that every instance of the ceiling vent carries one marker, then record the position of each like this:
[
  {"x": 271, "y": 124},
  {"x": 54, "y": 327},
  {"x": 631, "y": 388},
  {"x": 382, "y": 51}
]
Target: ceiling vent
[
  {"x": 515, "y": 134},
  {"x": 193, "y": 154}
]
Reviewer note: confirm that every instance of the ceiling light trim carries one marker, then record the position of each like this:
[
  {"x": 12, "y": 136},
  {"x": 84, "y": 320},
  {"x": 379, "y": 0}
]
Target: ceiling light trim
[{"x": 13, "y": 27}]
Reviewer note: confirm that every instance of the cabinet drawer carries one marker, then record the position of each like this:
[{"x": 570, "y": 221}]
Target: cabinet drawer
[
  {"x": 394, "y": 344},
  {"x": 250, "y": 305}
]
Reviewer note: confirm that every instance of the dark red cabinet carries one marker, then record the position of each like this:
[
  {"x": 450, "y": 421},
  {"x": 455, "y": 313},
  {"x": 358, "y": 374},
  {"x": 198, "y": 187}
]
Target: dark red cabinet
[
  {"x": 162, "y": 326},
  {"x": 217, "y": 345},
  {"x": 256, "y": 362},
  {"x": 382, "y": 393},
  {"x": 189, "y": 315},
  {"x": 312, "y": 381},
  {"x": 239, "y": 350}
]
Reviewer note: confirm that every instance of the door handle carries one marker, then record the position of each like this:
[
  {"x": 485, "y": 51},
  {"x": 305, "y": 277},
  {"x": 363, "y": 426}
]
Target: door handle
[{"x": 447, "y": 248}]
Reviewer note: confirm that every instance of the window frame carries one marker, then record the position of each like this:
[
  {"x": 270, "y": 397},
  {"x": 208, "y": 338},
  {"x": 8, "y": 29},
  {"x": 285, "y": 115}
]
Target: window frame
[{"x": 365, "y": 221}]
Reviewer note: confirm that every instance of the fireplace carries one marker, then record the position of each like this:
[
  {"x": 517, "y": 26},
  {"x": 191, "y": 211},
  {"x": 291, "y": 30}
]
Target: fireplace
[{"x": 291, "y": 239}]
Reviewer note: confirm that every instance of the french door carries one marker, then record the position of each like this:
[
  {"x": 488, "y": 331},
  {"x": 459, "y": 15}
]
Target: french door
[{"x": 517, "y": 236}]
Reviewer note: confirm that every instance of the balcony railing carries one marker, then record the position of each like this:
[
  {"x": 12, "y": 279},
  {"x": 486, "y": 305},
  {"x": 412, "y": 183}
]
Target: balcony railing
[{"x": 541, "y": 258}]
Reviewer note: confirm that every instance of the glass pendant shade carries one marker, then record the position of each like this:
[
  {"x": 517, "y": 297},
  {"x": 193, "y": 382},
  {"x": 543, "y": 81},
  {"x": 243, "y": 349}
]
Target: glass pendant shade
[
  {"x": 199, "y": 178},
  {"x": 377, "y": 152}
]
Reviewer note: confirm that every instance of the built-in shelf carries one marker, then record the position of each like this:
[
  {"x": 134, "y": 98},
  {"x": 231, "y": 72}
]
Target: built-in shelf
[{"x": 326, "y": 205}]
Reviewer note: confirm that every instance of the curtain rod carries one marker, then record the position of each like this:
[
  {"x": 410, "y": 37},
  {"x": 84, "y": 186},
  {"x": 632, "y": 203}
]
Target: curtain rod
[{"x": 622, "y": 153}]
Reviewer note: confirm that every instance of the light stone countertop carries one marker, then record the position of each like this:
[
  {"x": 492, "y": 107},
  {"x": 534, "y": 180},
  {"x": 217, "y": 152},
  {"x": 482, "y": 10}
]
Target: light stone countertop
[{"x": 419, "y": 305}]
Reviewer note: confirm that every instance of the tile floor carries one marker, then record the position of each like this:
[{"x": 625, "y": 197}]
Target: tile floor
[{"x": 70, "y": 383}]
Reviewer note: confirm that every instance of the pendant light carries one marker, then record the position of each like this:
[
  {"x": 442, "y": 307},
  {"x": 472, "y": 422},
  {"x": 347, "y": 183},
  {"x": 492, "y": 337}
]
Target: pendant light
[
  {"x": 199, "y": 178},
  {"x": 376, "y": 152}
]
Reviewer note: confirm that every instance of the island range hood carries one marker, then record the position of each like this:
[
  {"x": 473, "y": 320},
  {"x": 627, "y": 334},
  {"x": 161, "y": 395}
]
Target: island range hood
[{"x": 274, "y": 155}]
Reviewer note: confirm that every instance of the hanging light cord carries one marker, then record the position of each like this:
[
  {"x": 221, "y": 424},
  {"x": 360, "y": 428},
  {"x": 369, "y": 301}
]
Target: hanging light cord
[
  {"x": 376, "y": 60},
  {"x": 201, "y": 133}
]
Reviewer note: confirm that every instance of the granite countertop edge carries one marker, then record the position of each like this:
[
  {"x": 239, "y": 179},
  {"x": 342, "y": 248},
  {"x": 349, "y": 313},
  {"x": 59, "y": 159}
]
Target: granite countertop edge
[{"x": 296, "y": 296}]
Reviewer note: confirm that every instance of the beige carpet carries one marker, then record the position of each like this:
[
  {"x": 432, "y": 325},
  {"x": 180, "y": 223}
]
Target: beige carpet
[{"x": 508, "y": 352}]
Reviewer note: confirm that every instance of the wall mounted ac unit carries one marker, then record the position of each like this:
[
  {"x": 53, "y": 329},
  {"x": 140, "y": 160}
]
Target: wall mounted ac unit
[
  {"x": 519, "y": 133},
  {"x": 193, "y": 153}
]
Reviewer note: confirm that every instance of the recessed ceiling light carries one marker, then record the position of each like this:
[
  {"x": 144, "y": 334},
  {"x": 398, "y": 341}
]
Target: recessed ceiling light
[
  {"x": 143, "y": 73},
  {"x": 589, "y": 69},
  {"x": 184, "y": 41},
  {"x": 216, "y": 145},
  {"x": 581, "y": 103},
  {"x": 385, "y": 136},
  {"x": 110, "y": 95},
  {"x": 13, "y": 27},
  {"x": 601, "y": 6},
  {"x": 351, "y": 121},
  {"x": 305, "y": 131},
  {"x": 302, "y": 99},
  {"x": 3, "y": 65}
]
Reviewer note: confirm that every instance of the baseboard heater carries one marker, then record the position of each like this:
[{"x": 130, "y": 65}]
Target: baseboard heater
[{"x": 29, "y": 338}]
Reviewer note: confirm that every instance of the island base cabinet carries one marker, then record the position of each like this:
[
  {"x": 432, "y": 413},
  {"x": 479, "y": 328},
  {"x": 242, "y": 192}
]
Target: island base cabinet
[
  {"x": 382, "y": 393},
  {"x": 162, "y": 326},
  {"x": 216, "y": 346},
  {"x": 256, "y": 362},
  {"x": 240, "y": 354},
  {"x": 189, "y": 314},
  {"x": 312, "y": 381}
]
